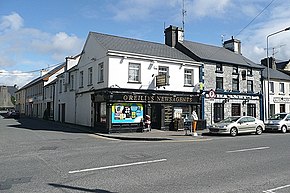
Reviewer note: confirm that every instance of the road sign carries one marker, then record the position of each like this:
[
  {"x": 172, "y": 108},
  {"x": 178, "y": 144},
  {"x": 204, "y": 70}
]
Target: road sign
[{"x": 211, "y": 94}]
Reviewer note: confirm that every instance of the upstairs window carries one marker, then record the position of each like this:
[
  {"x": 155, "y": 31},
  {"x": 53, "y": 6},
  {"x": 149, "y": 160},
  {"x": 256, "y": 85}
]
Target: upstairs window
[
  {"x": 188, "y": 77},
  {"x": 281, "y": 88},
  {"x": 81, "y": 78},
  {"x": 249, "y": 72},
  {"x": 235, "y": 83},
  {"x": 272, "y": 87},
  {"x": 164, "y": 70},
  {"x": 235, "y": 70},
  {"x": 101, "y": 72},
  {"x": 219, "y": 68},
  {"x": 219, "y": 83},
  {"x": 90, "y": 76},
  {"x": 60, "y": 86},
  {"x": 72, "y": 82},
  {"x": 250, "y": 87},
  {"x": 134, "y": 72}
]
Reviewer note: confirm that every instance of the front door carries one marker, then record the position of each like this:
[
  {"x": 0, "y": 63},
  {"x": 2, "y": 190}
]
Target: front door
[{"x": 156, "y": 116}]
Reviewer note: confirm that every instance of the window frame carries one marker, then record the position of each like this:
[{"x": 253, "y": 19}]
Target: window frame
[
  {"x": 235, "y": 81},
  {"x": 81, "y": 79},
  {"x": 281, "y": 88},
  {"x": 90, "y": 76},
  {"x": 188, "y": 73},
  {"x": 251, "y": 86},
  {"x": 219, "y": 80},
  {"x": 101, "y": 72},
  {"x": 134, "y": 67}
]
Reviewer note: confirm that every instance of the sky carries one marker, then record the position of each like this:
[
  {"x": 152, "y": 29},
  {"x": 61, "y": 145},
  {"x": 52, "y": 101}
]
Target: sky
[{"x": 39, "y": 34}]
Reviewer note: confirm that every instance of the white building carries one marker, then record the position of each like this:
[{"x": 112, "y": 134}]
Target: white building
[{"x": 119, "y": 80}]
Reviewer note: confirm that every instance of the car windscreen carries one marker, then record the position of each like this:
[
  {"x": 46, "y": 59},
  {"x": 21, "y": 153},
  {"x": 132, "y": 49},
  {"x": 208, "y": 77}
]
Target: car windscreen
[
  {"x": 277, "y": 117},
  {"x": 229, "y": 120}
]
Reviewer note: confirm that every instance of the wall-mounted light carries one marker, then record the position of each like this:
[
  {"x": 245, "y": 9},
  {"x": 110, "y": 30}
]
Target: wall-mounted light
[
  {"x": 181, "y": 65},
  {"x": 122, "y": 59}
]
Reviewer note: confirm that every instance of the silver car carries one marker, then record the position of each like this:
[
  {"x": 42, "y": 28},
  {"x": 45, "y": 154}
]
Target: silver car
[
  {"x": 238, "y": 124},
  {"x": 278, "y": 122}
]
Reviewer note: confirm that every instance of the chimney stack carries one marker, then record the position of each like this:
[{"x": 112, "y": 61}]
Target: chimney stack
[
  {"x": 173, "y": 35},
  {"x": 234, "y": 45}
]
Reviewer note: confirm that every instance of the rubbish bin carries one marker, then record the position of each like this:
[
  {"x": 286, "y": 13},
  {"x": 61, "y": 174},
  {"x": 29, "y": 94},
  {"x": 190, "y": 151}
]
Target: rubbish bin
[{"x": 201, "y": 124}]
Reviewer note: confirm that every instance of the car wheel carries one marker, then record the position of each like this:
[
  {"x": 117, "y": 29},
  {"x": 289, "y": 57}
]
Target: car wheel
[
  {"x": 234, "y": 132},
  {"x": 259, "y": 130},
  {"x": 284, "y": 129}
]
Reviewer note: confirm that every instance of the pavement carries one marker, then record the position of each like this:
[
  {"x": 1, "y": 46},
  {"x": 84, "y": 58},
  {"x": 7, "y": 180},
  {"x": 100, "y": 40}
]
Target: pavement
[{"x": 159, "y": 135}]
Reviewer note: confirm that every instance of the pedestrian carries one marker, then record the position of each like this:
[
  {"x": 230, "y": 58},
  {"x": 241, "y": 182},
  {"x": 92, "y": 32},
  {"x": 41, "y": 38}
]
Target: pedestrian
[
  {"x": 194, "y": 123},
  {"x": 147, "y": 123}
]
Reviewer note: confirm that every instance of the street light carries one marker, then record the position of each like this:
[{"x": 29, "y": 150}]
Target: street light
[{"x": 268, "y": 66}]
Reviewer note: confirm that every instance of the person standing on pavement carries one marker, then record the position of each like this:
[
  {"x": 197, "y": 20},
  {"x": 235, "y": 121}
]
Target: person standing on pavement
[{"x": 195, "y": 119}]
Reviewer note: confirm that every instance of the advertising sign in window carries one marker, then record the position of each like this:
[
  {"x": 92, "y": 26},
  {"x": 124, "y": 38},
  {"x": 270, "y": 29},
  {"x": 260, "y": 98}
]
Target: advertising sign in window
[{"x": 127, "y": 112}]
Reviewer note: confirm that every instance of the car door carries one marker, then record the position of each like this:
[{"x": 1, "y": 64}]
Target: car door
[
  {"x": 243, "y": 125},
  {"x": 288, "y": 121},
  {"x": 252, "y": 124}
]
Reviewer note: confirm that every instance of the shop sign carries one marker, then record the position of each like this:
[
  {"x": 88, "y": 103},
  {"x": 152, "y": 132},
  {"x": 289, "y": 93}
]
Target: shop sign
[
  {"x": 161, "y": 80},
  {"x": 281, "y": 100},
  {"x": 155, "y": 98}
]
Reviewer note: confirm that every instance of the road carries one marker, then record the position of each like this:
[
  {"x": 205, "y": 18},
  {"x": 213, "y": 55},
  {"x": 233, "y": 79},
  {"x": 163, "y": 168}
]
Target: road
[{"x": 40, "y": 156}]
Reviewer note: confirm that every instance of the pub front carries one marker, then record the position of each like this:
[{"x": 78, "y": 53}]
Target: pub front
[{"x": 123, "y": 110}]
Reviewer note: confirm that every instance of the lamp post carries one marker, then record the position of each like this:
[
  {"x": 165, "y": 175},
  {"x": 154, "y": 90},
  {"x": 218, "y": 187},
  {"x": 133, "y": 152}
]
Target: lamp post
[{"x": 268, "y": 67}]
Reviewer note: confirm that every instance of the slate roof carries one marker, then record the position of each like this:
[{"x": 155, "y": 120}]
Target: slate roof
[
  {"x": 275, "y": 74},
  {"x": 122, "y": 44},
  {"x": 218, "y": 54},
  {"x": 42, "y": 78}
]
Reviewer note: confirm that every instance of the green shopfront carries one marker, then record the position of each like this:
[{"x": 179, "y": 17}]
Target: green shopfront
[{"x": 122, "y": 110}]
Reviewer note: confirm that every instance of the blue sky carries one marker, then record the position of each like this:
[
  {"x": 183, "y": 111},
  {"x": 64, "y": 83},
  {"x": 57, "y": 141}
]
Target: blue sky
[{"x": 38, "y": 34}]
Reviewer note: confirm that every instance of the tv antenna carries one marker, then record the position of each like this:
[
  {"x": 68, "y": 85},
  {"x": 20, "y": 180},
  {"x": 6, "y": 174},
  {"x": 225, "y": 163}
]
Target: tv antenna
[
  {"x": 275, "y": 48},
  {"x": 183, "y": 15}
]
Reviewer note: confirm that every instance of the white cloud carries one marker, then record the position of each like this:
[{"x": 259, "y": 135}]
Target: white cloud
[
  {"x": 202, "y": 8},
  {"x": 24, "y": 47},
  {"x": 255, "y": 38},
  {"x": 15, "y": 77},
  {"x": 11, "y": 22}
]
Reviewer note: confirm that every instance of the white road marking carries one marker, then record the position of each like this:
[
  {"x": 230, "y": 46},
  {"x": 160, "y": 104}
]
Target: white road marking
[
  {"x": 117, "y": 166},
  {"x": 278, "y": 188},
  {"x": 251, "y": 149}
]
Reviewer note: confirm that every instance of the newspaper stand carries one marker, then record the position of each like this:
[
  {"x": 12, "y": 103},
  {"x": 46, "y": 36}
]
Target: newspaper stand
[{"x": 188, "y": 126}]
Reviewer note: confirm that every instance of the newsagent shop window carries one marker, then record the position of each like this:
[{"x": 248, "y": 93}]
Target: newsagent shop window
[{"x": 127, "y": 113}]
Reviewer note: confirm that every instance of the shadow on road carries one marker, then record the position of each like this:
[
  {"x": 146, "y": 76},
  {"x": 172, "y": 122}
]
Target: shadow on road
[
  {"x": 79, "y": 188},
  {"x": 40, "y": 124}
]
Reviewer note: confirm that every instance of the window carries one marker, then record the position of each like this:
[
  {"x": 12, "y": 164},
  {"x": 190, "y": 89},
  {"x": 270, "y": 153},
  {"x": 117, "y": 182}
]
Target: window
[
  {"x": 72, "y": 82},
  {"x": 164, "y": 70},
  {"x": 251, "y": 110},
  {"x": 281, "y": 88},
  {"x": 235, "y": 70},
  {"x": 90, "y": 76},
  {"x": 81, "y": 78},
  {"x": 60, "y": 86},
  {"x": 272, "y": 87},
  {"x": 235, "y": 84},
  {"x": 188, "y": 77},
  {"x": 134, "y": 72},
  {"x": 219, "y": 68},
  {"x": 236, "y": 109},
  {"x": 219, "y": 83},
  {"x": 218, "y": 112},
  {"x": 282, "y": 108},
  {"x": 272, "y": 109},
  {"x": 101, "y": 72},
  {"x": 250, "y": 86},
  {"x": 249, "y": 72}
]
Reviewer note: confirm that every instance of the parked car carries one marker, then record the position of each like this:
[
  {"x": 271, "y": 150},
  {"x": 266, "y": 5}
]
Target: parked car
[
  {"x": 238, "y": 124},
  {"x": 13, "y": 114},
  {"x": 278, "y": 122}
]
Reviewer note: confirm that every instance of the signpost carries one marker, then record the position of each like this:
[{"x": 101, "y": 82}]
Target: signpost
[{"x": 212, "y": 96}]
